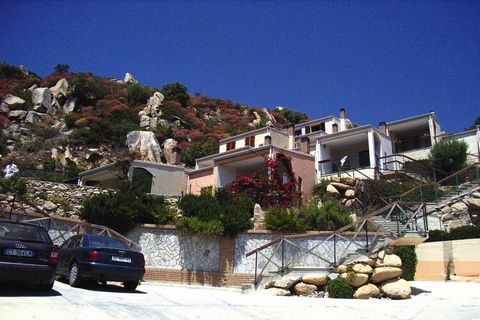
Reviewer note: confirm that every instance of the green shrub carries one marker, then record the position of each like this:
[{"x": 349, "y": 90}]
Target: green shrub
[
  {"x": 201, "y": 227},
  {"x": 339, "y": 288},
  {"x": 222, "y": 214},
  {"x": 176, "y": 92},
  {"x": 409, "y": 261},
  {"x": 123, "y": 209},
  {"x": 463, "y": 232},
  {"x": 449, "y": 155},
  {"x": 199, "y": 149},
  {"x": 14, "y": 184},
  {"x": 331, "y": 216},
  {"x": 137, "y": 94},
  {"x": 285, "y": 219}
]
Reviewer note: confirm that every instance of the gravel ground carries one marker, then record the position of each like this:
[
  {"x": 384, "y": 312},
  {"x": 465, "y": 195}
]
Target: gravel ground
[{"x": 154, "y": 300}]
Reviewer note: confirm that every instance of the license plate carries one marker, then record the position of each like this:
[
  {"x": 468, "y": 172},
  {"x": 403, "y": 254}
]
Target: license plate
[
  {"x": 18, "y": 253},
  {"x": 122, "y": 259}
]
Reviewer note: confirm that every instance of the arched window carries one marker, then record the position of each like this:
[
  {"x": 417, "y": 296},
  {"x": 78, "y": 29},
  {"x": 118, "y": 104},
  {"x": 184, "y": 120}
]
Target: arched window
[{"x": 144, "y": 178}]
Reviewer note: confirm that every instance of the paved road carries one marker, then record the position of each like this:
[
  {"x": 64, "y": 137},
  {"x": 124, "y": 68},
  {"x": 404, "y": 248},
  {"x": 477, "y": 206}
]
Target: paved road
[{"x": 433, "y": 300}]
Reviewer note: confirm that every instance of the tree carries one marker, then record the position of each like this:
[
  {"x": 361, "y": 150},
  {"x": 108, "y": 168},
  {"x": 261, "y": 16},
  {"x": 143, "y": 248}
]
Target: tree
[
  {"x": 62, "y": 68},
  {"x": 176, "y": 92},
  {"x": 475, "y": 123},
  {"x": 199, "y": 149},
  {"x": 449, "y": 155}
]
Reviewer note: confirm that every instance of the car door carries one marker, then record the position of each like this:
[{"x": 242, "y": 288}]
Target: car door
[{"x": 65, "y": 254}]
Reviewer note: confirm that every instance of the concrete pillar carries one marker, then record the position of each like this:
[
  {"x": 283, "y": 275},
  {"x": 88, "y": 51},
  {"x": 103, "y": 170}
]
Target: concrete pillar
[
  {"x": 382, "y": 126},
  {"x": 290, "y": 129},
  {"x": 317, "y": 159},
  {"x": 431, "y": 129},
  {"x": 371, "y": 148}
]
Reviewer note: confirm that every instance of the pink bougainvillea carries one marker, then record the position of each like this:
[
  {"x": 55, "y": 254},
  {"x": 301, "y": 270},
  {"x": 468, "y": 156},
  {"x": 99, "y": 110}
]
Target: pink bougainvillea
[{"x": 269, "y": 188}]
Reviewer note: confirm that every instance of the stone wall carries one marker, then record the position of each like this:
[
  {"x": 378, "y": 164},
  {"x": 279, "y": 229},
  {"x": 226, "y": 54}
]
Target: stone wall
[
  {"x": 166, "y": 248},
  {"x": 173, "y": 255}
]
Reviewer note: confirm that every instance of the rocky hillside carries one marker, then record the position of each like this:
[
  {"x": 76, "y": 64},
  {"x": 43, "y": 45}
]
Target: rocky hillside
[{"x": 78, "y": 120}]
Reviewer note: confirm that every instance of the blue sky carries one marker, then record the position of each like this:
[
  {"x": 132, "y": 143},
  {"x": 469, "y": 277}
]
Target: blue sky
[{"x": 381, "y": 60}]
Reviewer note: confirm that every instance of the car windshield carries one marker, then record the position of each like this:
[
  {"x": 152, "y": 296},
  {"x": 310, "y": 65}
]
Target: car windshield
[
  {"x": 106, "y": 242},
  {"x": 25, "y": 232}
]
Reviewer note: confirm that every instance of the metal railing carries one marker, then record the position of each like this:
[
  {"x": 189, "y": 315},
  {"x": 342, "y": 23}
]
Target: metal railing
[
  {"x": 284, "y": 252},
  {"x": 400, "y": 163},
  {"x": 58, "y": 227}
]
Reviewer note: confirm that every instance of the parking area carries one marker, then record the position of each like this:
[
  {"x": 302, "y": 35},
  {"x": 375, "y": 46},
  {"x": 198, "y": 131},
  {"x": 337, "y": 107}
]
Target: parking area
[{"x": 152, "y": 300}]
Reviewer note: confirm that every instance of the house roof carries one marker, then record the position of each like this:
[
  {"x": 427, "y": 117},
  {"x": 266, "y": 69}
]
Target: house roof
[
  {"x": 249, "y": 133},
  {"x": 300, "y": 125},
  {"x": 352, "y": 131},
  {"x": 426, "y": 115},
  {"x": 97, "y": 169}
]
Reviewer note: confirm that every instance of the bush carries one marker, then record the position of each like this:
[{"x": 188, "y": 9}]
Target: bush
[
  {"x": 176, "y": 92},
  {"x": 199, "y": 149},
  {"x": 137, "y": 94},
  {"x": 222, "y": 214},
  {"x": 285, "y": 219},
  {"x": 464, "y": 232},
  {"x": 331, "y": 216},
  {"x": 339, "y": 288},
  {"x": 409, "y": 261},
  {"x": 449, "y": 155},
  {"x": 123, "y": 209}
]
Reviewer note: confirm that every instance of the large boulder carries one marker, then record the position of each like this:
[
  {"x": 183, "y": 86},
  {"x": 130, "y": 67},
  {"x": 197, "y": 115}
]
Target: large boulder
[
  {"x": 17, "y": 114},
  {"x": 11, "y": 100},
  {"x": 355, "y": 279},
  {"x": 399, "y": 289},
  {"x": 69, "y": 105},
  {"x": 350, "y": 193},
  {"x": 153, "y": 104},
  {"x": 129, "y": 78},
  {"x": 37, "y": 117},
  {"x": 286, "y": 282},
  {"x": 304, "y": 289},
  {"x": 472, "y": 203},
  {"x": 382, "y": 274},
  {"x": 61, "y": 88},
  {"x": 42, "y": 97},
  {"x": 342, "y": 268},
  {"x": 348, "y": 180},
  {"x": 332, "y": 191},
  {"x": 459, "y": 207},
  {"x": 276, "y": 292},
  {"x": 268, "y": 115},
  {"x": 341, "y": 186},
  {"x": 362, "y": 268},
  {"x": 389, "y": 260},
  {"x": 144, "y": 145},
  {"x": 367, "y": 291},
  {"x": 315, "y": 279},
  {"x": 168, "y": 146}
]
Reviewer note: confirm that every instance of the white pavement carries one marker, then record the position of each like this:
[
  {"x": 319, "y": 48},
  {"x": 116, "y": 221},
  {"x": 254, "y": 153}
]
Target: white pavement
[{"x": 153, "y": 300}]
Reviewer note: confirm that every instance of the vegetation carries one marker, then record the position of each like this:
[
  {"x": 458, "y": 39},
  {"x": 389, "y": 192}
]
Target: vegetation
[
  {"x": 199, "y": 148},
  {"x": 125, "y": 208},
  {"x": 409, "y": 261},
  {"x": 219, "y": 214},
  {"x": 464, "y": 232},
  {"x": 339, "y": 288},
  {"x": 449, "y": 155},
  {"x": 176, "y": 92},
  {"x": 330, "y": 216},
  {"x": 14, "y": 184},
  {"x": 62, "y": 68},
  {"x": 475, "y": 123}
]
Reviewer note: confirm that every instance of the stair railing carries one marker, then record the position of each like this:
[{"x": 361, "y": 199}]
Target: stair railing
[{"x": 275, "y": 251}]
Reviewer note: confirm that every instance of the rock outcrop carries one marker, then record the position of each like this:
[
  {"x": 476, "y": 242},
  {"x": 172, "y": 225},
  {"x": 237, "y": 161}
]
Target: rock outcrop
[{"x": 144, "y": 146}]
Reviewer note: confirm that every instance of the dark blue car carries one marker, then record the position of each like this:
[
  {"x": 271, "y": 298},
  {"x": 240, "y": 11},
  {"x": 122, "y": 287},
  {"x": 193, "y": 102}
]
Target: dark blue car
[
  {"x": 27, "y": 255},
  {"x": 100, "y": 258}
]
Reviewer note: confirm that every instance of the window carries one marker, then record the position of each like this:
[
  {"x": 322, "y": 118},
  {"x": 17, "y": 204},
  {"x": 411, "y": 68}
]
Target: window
[
  {"x": 298, "y": 132},
  {"x": 364, "y": 159},
  {"x": 319, "y": 127},
  {"x": 206, "y": 190},
  {"x": 231, "y": 145},
  {"x": 250, "y": 141},
  {"x": 307, "y": 130}
]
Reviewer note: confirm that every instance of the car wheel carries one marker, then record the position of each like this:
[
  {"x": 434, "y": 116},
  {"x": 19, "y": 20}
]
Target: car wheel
[
  {"x": 130, "y": 285},
  {"x": 74, "y": 276},
  {"x": 45, "y": 286}
]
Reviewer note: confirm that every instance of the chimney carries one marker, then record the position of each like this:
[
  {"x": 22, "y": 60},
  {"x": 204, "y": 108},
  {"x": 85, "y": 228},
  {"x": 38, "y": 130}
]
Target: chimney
[
  {"x": 343, "y": 115},
  {"x": 382, "y": 126},
  {"x": 290, "y": 130},
  {"x": 175, "y": 157},
  {"x": 267, "y": 141},
  {"x": 305, "y": 145},
  {"x": 334, "y": 128}
]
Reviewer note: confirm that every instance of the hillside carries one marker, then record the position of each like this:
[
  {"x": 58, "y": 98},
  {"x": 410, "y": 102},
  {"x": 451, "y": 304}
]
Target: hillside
[{"x": 76, "y": 121}]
